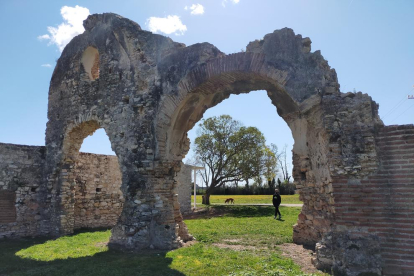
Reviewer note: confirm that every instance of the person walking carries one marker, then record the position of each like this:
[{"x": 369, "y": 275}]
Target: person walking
[{"x": 276, "y": 202}]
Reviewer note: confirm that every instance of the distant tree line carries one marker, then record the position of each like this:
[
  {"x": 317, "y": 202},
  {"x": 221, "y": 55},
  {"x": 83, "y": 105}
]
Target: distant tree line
[{"x": 285, "y": 188}]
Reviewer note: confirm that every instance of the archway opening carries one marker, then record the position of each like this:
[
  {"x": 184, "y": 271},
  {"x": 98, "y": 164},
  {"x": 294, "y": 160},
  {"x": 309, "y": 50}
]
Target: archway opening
[
  {"x": 309, "y": 155},
  {"x": 98, "y": 196},
  {"x": 94, "y": 173},
  {"x": 253, "y": 110}
]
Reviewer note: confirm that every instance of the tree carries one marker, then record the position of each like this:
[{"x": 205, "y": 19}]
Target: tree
[
  {"x": 272, "y": 185},
  {"x": 283, "y": 164},
  {"x": 269, "y": 163},
  {"x": 279, "y": 184},
  {"x": 228, "y": 151}
]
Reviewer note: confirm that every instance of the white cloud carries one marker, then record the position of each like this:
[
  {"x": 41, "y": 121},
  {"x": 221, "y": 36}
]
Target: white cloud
[
  {"x": 224, "y": 2},
  {"x": 196, "y": 9},
  {"x": 43, "y": 37},
  {"x": 167, "y": 25},
  {"x": 72, "y": 26},
  {"x": 46, "y": 65}
]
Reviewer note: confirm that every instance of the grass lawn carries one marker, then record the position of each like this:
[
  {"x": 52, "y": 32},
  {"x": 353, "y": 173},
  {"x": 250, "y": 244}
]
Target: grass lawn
[
  {"x": 87, "y": 254},
  {"x": 249, "y": 199}
]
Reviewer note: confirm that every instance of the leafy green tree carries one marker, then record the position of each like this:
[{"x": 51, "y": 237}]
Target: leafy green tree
[
  {"x": 269, "y": 163},
  {"x": 229, "y": 152}
]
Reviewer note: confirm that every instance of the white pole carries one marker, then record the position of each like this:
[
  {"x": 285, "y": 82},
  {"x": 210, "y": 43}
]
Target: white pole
[{"x": 195, "y": 188}]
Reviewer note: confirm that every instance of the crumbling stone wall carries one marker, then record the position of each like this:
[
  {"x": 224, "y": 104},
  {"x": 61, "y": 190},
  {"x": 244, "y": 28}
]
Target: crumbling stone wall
[
  {"x": 20, "y": 185},
  {"x": 98, "y": 196},
  {"x": 98, "y": 199},
  {"x": 21, "y": 182},
  {"x": 378, "y": 209},
  {"x": 122, "y": 101},
  {"x": 345, "y": 146}
]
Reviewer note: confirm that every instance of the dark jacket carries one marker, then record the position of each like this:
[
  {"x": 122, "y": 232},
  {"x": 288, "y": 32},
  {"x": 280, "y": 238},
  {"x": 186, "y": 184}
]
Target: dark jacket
[{"x": 276, "y": 200}]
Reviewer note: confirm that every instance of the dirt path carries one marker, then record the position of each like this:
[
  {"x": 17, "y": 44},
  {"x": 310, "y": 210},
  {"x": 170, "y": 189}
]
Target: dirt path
[
  {"x": 204, "y": 213},
  {"x": 258, "y": 204},
  {"x": 212, "y": 212},
  {"x": 300, "y": 255},
  {"x": 264, "y": 204}
]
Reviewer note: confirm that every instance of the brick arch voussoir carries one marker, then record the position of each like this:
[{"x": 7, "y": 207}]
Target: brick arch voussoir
[{"x": 223, "y": 71}]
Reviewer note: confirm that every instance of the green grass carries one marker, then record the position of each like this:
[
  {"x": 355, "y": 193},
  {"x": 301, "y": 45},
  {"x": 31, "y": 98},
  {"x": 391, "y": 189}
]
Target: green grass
[
  {"x": 87, "y": 253},
  {"x": 209, "y": 260},
  {"x": 103, "y": 263},
  {"x": 81, "y": 245},
  {"x": 248, "y": 225},
  {"x": 249, "y": 199}
]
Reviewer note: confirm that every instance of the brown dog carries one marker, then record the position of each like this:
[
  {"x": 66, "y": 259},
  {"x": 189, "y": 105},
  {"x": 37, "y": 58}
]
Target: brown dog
[{"x": 229, "y": 200}]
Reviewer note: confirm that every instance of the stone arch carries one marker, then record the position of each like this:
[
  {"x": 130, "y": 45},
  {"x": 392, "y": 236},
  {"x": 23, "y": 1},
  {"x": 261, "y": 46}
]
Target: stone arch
[
  {"x": 211, "y": 83},
  {"x": 122, "y": 103},
  {"x": 207, "y": 85},
  {"x": 71, "y": 173}
]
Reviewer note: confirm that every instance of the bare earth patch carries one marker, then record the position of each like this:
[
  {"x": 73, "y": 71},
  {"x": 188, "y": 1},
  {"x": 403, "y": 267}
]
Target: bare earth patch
[
  {"x": 235, "y": 247},
  {"x": 190, "y": 243},
  {"x": 299, "y": 255},
  {"x": 101, "y": 244},
  {"x": 205, "y": 213},
  {"x": 232, "y": 240}
]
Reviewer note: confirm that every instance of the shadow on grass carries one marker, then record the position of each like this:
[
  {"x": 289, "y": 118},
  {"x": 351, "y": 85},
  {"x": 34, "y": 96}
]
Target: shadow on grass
[
  {"x": 103, "y": 263},
  {"x": 251, "y": 211}
]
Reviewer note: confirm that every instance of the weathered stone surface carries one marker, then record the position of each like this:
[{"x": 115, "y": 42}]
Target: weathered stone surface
[
  {"x": 149, "y": 91},
  {"x": 98, "y": 200},
  {"x": 343, "y": 254},
  {"x": 21, "y": 182},
  {"x": 98, "y": 197}
]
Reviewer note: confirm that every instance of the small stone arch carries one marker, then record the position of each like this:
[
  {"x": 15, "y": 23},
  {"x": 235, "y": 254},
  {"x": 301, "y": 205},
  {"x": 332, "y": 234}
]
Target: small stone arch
[{"x": 69, "y": 179}]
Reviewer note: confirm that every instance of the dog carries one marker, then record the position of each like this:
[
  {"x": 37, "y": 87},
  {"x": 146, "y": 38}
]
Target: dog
[{"x": 229, "y": 200}]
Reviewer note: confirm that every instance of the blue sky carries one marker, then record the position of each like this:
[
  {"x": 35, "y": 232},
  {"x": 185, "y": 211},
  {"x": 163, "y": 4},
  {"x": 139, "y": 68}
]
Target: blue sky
[{"x": 369, "y": 43}]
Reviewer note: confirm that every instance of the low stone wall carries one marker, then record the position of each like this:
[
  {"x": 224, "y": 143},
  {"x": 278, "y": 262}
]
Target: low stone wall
[
  {"x": 20, "y": 180},
  {"x": 98, "y": 197}
]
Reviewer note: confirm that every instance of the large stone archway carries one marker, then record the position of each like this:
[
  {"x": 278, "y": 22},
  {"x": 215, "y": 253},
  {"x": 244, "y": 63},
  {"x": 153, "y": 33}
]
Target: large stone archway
[
  {"x": 210, "y": 83},
  {"x": 147, "y": 91}
]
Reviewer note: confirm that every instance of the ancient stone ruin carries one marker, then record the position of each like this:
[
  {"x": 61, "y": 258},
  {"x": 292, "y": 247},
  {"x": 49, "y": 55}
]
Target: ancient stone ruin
[{"x": 355, "y": 175}]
